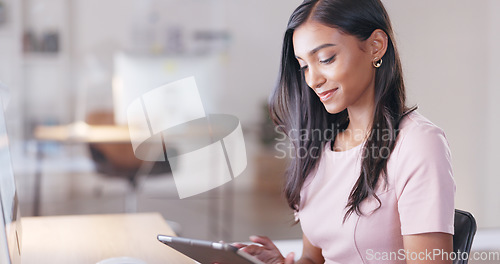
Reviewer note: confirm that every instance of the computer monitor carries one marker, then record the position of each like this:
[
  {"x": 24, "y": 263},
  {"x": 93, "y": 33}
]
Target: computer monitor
[{"x": 10, "y": 231}]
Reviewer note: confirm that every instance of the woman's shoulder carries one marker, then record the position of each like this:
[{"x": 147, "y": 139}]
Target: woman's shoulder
[
  {"x": 419, "y": 138},
  {"x": 416, "y": 126}
]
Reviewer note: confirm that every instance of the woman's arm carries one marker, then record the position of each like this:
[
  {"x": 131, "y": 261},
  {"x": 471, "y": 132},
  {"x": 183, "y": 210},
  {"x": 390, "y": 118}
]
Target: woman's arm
[{"x": 428, "y": 248}]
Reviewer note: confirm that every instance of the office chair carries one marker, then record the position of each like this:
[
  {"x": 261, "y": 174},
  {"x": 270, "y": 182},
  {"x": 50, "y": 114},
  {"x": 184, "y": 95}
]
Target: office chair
[
  {"x": 465, "y": 229},
  {"x": 118, "y": 160}
]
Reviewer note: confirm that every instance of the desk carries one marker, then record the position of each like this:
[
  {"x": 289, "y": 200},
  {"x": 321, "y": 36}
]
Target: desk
[{"x": 92, "y": 238}]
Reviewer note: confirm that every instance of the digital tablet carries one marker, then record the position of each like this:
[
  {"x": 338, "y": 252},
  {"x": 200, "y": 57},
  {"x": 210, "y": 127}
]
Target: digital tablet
[{"x": 207, "y": 252}]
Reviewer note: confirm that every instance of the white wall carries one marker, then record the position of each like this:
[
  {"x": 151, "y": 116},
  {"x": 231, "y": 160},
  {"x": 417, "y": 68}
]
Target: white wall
[
  {"x": 490, "y": 197},
  {"x": 446, "y": 49},
  {"x": 258, "y": 28}
]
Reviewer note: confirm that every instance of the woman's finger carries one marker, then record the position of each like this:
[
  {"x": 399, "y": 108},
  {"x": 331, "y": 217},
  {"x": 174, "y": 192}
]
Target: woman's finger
[
  {"x": 265, "y": 241},
  {"x": 290, "y": 258},
  {"x": 253, "y": 249}
]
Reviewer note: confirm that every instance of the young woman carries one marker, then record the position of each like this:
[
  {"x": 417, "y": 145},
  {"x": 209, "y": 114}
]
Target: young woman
[{"x": 375, "y": 185}]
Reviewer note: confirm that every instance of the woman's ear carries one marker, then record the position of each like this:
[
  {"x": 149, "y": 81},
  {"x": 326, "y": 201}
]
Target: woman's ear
[{"x": 378, "y": 42}]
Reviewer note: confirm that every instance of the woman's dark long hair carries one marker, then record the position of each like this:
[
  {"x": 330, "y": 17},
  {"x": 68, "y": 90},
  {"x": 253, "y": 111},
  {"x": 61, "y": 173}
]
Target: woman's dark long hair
[{"x": 296, "y": 109}]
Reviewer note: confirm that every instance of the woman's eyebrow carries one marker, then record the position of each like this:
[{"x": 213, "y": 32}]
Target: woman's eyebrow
[{"x": 318, "y": 48}]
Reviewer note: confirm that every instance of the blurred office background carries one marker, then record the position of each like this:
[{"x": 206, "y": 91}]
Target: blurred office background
[{"x": 69, "y": 61}]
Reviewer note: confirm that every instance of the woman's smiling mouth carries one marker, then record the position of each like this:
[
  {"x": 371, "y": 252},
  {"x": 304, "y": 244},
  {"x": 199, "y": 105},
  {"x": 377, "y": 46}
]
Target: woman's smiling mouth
[{"x": 325, "y": 96}]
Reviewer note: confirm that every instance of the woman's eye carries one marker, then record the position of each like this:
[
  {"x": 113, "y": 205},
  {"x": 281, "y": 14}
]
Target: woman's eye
[
  {"x": 328, "y": 60},
  {"x": 303, "y": 68}
]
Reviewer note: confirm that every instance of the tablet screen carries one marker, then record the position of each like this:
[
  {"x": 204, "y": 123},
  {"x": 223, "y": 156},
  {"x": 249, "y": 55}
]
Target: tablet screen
[{"x": 207, "y": 252}]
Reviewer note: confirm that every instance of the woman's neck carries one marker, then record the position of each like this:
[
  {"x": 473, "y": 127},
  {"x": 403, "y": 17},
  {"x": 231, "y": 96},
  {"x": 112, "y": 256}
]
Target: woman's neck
[{"x": 360, "y": 121}]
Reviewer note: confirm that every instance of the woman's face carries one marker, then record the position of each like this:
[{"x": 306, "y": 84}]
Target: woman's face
[{"x": 337, "y": 66}]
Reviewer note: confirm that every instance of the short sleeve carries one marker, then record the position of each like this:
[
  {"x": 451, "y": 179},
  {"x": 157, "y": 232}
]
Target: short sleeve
[{"x": 424, "y": 181}]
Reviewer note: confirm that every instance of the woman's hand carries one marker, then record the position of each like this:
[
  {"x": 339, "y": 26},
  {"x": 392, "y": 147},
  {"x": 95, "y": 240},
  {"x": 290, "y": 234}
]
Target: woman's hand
[{"x": 267, "y": 253}]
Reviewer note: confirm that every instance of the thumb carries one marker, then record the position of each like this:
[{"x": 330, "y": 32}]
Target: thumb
[{"x": 290, "y": 258}]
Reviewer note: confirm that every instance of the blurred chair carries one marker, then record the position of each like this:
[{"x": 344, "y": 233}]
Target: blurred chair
[
  {"x": 118, "y": 160},
  {"x": 465, "y": 229}
]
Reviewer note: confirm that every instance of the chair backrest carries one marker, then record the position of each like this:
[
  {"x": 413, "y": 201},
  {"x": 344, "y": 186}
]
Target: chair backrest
[{"x": 465, "y": 229}]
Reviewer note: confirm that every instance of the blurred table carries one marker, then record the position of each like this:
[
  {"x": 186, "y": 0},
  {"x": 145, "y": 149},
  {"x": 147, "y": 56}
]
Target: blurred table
[
  {"x": 81, "y": 132},
  {"x": 73, "y": 133},
  {"x": 91, "y": 238}
]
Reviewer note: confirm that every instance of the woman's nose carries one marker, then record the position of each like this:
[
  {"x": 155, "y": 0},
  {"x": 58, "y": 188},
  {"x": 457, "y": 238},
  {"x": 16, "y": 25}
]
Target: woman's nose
[{"x": 315, "y": 79}]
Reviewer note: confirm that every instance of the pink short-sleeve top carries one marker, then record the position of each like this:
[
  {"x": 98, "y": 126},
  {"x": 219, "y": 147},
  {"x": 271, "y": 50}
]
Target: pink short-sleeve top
[{"x": 418, "y": 198}]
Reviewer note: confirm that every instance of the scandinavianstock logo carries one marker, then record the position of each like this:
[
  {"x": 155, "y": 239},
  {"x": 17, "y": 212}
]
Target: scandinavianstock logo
[{"x": 169, "y": 123}]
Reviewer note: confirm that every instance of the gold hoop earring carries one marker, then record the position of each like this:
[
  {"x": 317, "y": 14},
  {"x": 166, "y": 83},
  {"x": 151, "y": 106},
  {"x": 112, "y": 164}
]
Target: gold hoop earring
[{"x": 377, "y": 63}]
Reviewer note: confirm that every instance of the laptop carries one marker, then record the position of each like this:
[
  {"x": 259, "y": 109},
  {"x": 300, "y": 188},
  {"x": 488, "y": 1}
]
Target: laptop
[{"x": 10, "y": 220}]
